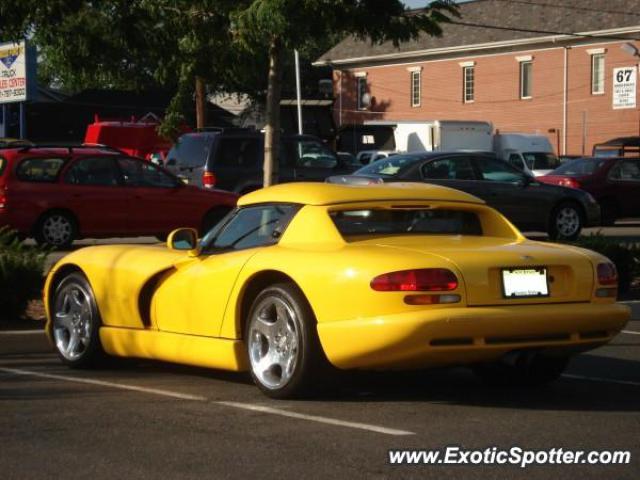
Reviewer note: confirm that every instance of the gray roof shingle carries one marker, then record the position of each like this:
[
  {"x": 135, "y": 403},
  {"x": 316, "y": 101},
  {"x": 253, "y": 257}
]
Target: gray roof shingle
[{"x": 548, "y": 16}]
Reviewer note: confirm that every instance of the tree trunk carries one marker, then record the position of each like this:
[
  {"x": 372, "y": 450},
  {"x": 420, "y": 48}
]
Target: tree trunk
[
  {"x": 201, "y": 103},
  {"x": 272, "y": 127}
]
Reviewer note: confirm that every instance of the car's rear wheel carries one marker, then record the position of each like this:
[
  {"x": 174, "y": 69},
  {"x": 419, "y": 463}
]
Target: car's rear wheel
[
  {"x": 284, "y": 352},
  {"x": 76, "y": 322},
  {"x": 566, "y": 222},
  {"x": 56, "y": 229},
  {"x": 523, "y": 369}
]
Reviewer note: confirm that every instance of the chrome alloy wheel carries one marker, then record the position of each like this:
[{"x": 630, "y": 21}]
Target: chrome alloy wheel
[
  {"x": 274, "y": 341},
  {"x": 73, "y": 321},
  {"x": 57, "y": 229},
  {"x": 567, "y": 221}
]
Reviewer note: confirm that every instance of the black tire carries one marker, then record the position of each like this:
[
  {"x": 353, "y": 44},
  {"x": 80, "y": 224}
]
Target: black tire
[
  {"x": 566, "y": 221},
  {"x": 56, "y": 229},
  {"x": 75, "y": 315},
  {"x": 527, "y": 370},
  {"x": 212, "y": 218},
  {"x": 309, "y": 367}
]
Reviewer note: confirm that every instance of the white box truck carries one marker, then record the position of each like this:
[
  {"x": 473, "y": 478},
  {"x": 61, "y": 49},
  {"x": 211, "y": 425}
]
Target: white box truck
[{"x": 531, "y": 153}]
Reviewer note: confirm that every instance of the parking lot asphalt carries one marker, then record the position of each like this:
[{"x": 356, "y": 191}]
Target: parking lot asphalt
[{"x": 155, "y": 420}]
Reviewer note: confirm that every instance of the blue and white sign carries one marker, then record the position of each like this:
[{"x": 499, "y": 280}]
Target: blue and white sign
[{"x": 13, "y": 72}]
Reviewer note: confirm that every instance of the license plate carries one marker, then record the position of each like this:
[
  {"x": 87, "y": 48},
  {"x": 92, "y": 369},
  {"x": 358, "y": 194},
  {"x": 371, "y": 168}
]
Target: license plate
[{"x": 524, "y": 282}]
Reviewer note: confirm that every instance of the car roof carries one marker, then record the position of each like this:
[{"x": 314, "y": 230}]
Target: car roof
[
  {"x": 74, "y": 151},
  {"x": 331, "y": 194}
]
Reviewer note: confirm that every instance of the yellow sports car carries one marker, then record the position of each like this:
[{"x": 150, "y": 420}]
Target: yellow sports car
[{"x": 302, "y": 277}]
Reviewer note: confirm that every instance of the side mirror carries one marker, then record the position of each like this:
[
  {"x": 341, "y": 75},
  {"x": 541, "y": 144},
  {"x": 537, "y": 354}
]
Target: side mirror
[{"x": 185, "y": 240}]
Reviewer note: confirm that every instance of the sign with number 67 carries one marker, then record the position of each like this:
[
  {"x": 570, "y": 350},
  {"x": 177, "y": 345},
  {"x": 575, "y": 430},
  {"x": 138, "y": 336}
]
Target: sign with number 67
[{"x": 624, "y": 87}]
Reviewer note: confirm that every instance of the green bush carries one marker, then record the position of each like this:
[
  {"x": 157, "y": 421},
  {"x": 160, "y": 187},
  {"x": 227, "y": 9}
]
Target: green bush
[
  {"x": 21, "y": 274},
  {"x": 626, "y": 257}
]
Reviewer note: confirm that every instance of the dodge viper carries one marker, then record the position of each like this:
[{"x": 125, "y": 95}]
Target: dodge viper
[{"x": 302, "y": 279}]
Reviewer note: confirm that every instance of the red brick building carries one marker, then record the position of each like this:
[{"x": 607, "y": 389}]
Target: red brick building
[{"x": 531, "y": 66}]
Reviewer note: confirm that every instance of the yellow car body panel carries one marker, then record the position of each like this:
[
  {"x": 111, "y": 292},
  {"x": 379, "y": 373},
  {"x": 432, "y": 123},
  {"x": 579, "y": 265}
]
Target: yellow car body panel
[{"x": 168, "y": 305}]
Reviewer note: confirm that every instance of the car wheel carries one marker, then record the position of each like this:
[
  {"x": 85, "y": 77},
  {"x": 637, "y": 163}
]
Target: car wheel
[
  {"x": 527, "y": 369},
  {"x": 566, "y": 222},
  {"x": 56, "y": 229},
  {"x": 76, "y": 322},
  {"x": 284, "y": 352},
  {"x": 212, "y": 218}
]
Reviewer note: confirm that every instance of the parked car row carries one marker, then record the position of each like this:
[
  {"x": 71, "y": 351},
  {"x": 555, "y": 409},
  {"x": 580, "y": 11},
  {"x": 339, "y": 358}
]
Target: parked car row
[{"x": 529, "y": 204}]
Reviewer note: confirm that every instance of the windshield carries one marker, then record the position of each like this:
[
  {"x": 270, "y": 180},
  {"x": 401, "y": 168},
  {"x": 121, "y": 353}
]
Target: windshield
[
  {"x": 398, "y": 221},
  {"x": 541, "y": 160},
  {"x": 580, "y": 166},
  {"x": 389, "y": 166}
]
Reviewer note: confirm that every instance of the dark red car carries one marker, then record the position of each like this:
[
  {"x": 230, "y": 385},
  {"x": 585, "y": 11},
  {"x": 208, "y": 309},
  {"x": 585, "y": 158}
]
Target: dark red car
[
  {"x": 613, "y": 182},
  {"x": 58, "y": 194}
]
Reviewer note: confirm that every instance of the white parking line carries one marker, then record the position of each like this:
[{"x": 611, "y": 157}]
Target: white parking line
[
  {"x": 601, "y": 379},
  {"x": 198, "y": 398},
  {"x": 102, "y": 383},
  {"x": 315, "y": 418},
  {"x": 22, "y": 332},
  {"x": 630, "y": 332}
]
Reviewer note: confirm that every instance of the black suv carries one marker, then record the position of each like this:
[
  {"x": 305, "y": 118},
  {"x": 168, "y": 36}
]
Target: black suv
[{"x": 232, "y": 159}]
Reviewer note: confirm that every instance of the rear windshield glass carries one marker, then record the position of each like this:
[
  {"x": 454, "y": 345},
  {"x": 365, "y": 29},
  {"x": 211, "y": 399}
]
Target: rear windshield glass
[
  {"x": 394, "y": 222},
  {"x": 39, "y": 169},
  {"x": 581, "y": 166},
  {"x": 388, "y": 166}
]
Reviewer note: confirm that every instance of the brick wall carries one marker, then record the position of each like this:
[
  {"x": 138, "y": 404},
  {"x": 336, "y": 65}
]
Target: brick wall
[{"x": 497, "y": 94}]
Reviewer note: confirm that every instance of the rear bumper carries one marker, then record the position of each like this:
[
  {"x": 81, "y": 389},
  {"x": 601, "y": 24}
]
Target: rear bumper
[{"x": 459, "y": 336}]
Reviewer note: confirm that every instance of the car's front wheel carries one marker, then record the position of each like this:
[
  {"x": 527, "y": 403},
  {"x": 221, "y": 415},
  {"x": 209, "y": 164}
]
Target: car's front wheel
[
  {"x": 525, "y": 369},
  {"x": 566, "y": 222},
  {"x": 76, "y": 322},
  {"x": 282, "y": 344}
]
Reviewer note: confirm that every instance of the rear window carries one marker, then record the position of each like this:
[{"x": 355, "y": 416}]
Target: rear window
[
  {"x": 190, "y": 150},
  {"x": 39, "y": 169},
  {"x": 413, "y": 221},
  {"x": 581, "y": 166},
  {"x": 388, "y": 166}
]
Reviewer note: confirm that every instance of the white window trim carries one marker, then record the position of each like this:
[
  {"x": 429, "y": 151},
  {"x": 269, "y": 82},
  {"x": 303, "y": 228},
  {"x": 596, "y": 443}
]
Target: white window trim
[
  {"x": 464, "y": 83},
  {"x": 524, "y": 58},
  {"x": 412, "y": 74},
  {"x": 467, "y": 64},
  {"x": 414, "y": 69},
  {"x": 521, "y": 67},
  {"x": 596, "y": 51},
  {"x": 359, "y": 77},
  {"x": 599, "y": 53}
]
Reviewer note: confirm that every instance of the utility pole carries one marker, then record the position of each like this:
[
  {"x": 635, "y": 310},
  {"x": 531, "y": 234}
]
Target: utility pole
[
  {"x": 201, "y": 100},
  {"x": 298, "y": 94}
]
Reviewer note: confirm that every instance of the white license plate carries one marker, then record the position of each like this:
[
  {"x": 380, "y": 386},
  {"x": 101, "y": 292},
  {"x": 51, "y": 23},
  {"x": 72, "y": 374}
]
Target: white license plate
[{"x": 525, "y": 282}]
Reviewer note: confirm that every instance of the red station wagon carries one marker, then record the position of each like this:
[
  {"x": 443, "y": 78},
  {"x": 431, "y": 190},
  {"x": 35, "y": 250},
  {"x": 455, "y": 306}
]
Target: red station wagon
[{"x": 58, "y": 194}]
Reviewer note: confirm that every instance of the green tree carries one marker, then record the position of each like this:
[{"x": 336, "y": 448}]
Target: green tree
[{"x": 283, "y": 25}]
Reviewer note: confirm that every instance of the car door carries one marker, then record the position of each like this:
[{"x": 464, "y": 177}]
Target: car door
[
  {"x": 96, "y": 197},
  {"x": 624, "y": 177},
  {"x": 518, "y": 196},
  {"x": 155, "y": 201},
  {"x": 194, "y": 298},
  {"x": 456, "y": 171}
]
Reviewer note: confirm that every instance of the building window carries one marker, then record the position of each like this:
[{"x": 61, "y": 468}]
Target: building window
[
  {"x": 468, "y": 84},
  {"x": 363, "y": 97},
  {"x": 415, "y": 88},
  {"x": 526, "y": 74},
  {"x": 597, "y": 74}
]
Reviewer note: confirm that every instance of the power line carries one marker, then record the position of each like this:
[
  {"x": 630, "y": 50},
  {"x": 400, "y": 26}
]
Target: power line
[
  {"x": 571, "y": 7},
  {"x": 545, "y": 32}
]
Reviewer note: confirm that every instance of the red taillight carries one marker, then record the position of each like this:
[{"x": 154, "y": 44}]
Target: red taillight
[
  {"x": 208, "y": 180},
  {"x": 422, "y": 280},
  {"x": 607, "y": 274},
  {"x": 3, "y": 200},
  {"x": 570, "y": 182}
]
